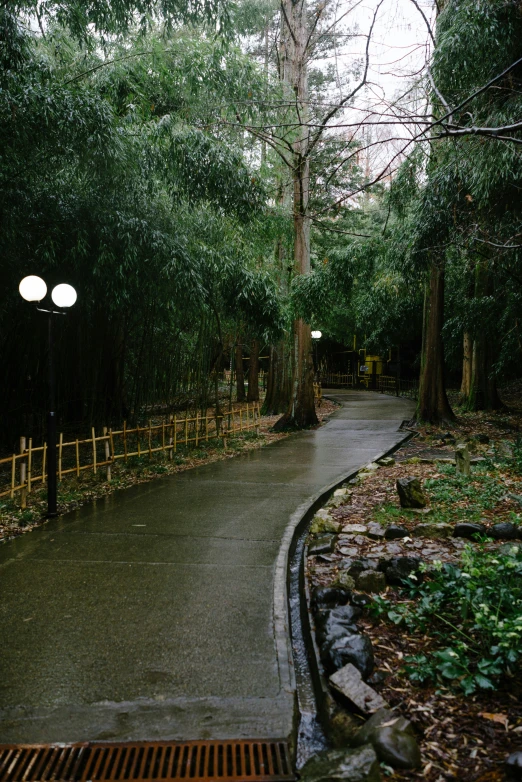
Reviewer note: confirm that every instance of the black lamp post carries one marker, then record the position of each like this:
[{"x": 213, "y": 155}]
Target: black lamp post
[{"x": 34, "y": 289}]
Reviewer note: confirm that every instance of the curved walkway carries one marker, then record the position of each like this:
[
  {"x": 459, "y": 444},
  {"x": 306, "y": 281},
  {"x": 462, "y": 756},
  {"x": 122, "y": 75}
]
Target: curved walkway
[{"x": 160, "y": 611}]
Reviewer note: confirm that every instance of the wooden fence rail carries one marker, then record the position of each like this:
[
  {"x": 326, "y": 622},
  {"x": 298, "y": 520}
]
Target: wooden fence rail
[
  {"x": 27, "y": 467},
  {"x": 401, "y": 387}
]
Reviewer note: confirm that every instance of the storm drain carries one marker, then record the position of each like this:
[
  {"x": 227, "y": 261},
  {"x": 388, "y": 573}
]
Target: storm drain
[{"x": 223, "y": 761}]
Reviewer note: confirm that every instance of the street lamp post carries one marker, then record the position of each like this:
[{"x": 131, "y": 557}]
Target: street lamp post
[{"x": 34, "y": 289}]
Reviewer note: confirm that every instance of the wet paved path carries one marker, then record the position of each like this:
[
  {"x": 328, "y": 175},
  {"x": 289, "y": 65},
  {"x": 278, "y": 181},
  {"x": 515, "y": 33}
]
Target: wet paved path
[{"x": 159, "y": 612}]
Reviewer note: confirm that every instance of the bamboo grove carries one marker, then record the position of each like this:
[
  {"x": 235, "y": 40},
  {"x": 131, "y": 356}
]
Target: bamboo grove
[{"x": 182, "y": 165}]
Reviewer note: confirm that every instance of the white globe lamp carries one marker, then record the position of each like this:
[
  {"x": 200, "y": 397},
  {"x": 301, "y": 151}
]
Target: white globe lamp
[
  {"x": 317, "y": 334},
  {"x": 32, "y": 288},
  {"x": 64, "y": 295}
]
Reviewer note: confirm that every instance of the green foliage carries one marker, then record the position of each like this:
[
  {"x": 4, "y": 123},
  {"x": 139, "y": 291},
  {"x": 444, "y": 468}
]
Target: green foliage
[{"x": 473, "y": 610}]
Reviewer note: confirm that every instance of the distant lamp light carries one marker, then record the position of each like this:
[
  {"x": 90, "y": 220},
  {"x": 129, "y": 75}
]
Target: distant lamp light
[
  {"x": 32, "y": 288},
  {"x": 317, "y": 334},
  {"x": 64, "y": 295}
]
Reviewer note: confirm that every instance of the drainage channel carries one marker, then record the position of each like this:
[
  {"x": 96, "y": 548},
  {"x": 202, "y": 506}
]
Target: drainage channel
[
  {"x": 160, "y": 761},
  {"x": 311, "y": 737}
]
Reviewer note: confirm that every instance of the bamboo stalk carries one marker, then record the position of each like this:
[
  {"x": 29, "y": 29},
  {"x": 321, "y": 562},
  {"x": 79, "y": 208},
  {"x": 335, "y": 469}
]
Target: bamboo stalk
[
  {"x": 29, "y": 465},
  {"x": 44, "y": 455},
  {"x": 23, "y": 472},
  {"x": 13, "y": 468},
  {"x": 138, "y": 438},
  {"x": 175, "y": 434},
  {"x": 150, "y": 439},
  {"x": 197, "y": 428},
  {"x": 113, "y": 458},
  {"x": 77, "y": 449},
  {"x": 93, "y": 451},
  {"x": 60, "y": 450},
  {"x": 186, "y": 427},
  {"x": 125, "y": 439},
  {"x": 206, "y": 427},
  {"x": 163, "y": 435},
  {"x": 107, "y": 454}
]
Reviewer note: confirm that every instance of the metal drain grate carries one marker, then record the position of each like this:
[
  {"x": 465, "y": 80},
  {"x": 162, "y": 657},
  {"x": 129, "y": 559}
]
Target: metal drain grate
[{"x": 223, "y": 761}]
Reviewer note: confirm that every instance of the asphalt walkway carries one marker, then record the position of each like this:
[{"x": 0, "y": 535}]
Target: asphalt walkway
[{"x": 159, "y": 612}]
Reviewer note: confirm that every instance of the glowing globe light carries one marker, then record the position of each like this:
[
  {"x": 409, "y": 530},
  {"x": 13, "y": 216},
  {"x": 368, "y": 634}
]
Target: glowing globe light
[
  {"x": 64, "y": 295},
  {"x": 317, "y": 334},
  {"x": 32, "y": 288}
]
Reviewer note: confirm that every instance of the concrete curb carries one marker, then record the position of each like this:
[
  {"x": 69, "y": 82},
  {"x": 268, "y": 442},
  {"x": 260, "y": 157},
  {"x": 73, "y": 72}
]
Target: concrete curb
[{"x": 282, "y": 624}]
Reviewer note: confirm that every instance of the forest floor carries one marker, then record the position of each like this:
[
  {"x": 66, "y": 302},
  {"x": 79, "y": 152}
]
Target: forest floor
[
  {"x": 74, "y": 492},
  {"x": 433, "y": 637}
]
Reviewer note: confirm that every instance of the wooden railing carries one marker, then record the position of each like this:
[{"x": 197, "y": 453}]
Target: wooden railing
[
  {"x": 331, "y": 379},
  {"x": 28, "y": 467},
  {"x": 388, "y": 385}
]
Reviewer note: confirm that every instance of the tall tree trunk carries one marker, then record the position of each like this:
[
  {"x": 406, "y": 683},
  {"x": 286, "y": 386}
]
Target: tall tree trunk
[
  {"x": 279, "y": 385},
  {"x": 301, "y": 411},
  {"x": 433, "y": 405},
  {"x": 467, "y": 365},
  {"x": 240, "y": 375},
  {"x": 483, "y": 394},
  {"x": 253, "y": 372}
]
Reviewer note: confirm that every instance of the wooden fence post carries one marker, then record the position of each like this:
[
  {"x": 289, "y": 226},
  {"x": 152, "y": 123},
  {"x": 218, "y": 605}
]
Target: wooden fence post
[
  {"x": 186, "y": 427},
  {"x": 29, "y": 465},
  {"x": 60, "y": 450},
  {"x": 13, "y": 470},
  {"x": 107, "y": 454},
  {"x": 150, "y": 439},
  {"x": 77, "y": 449},
  {"x": 23, "y": 476},
  {"x": 125, "y": 439},
  {"x": 44, "y": 455},
  {"x": 93, "y": 451}
]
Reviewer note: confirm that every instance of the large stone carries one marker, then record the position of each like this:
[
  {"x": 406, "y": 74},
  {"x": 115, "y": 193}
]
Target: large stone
[
  {"x": 513, "y": 767},
  {"x": 468, "y": 530},
  {"x": 392, "y": 738},
  {"x": 462, "y": 460},
  {"x": 371, "y": 581},
  {"x": 323, "y": 524},
  {"x": 336, "y": 623},
  {"x": 344, "y": 581},
  {"x": 348, "y": 682},
  {"x": 324, "y": 544},
  {"x": 411, "y": 494},
  {"x": 394, "y": 532},
  {"x": 398, "y": 569},
  {"x": 356, "y": 566},
  {"x": 505, "y": 530},
  {"x": 354, "y": 529},
  {"x": 328, "y": 597},
  {"x": 431, "y": 529},
  {"x": 386, "y": 461},
  {"x": 343, "y": 765},
  {"x": 355, "y": 649},
  {"x": 343, "y": 492},
  {"x": 375, "y": 531}
]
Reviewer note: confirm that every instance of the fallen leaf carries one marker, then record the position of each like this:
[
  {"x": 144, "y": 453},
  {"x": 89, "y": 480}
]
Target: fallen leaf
[{"x": 502, "y": 719}]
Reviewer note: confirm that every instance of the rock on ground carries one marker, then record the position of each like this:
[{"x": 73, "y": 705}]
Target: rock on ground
[
  {"x": 348, "y": 681},
  {"x": 349, "y": 765}
]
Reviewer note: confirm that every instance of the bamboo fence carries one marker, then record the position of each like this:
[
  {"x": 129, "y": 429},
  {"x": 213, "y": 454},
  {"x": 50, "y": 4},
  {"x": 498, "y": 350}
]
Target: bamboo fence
[{"x": 20, "y": 472}]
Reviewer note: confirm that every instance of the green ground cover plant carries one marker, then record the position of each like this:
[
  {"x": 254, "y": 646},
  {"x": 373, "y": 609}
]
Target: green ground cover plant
[{"x": 473, "y": 613}]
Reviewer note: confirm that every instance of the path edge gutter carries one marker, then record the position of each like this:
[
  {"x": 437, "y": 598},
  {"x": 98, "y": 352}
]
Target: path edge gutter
[{"x": 296, "y": 526}]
